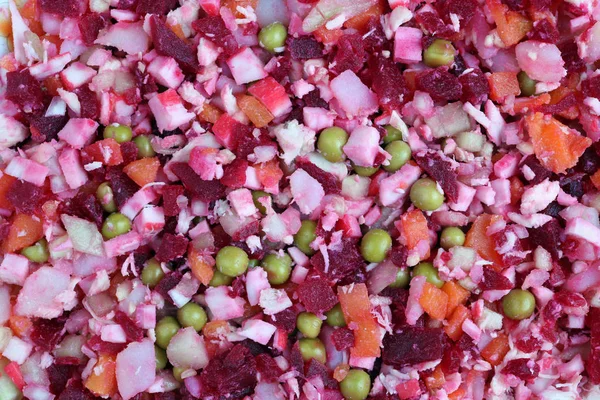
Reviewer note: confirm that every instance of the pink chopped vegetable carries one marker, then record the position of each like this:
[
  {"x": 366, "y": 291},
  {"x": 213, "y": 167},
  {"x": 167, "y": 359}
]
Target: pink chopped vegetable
[{"x": 135, "y": 368}]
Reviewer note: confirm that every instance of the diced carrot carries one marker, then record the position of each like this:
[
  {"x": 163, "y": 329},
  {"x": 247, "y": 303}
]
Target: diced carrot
[
  {"x": 143, "y": 171},
  {"x": 356, "y": 307},
  {"x": 526, "y": 104},
  {"x": 595, "y": 178},
  {"x": 214, "y": 334},
  {"x": 560, "y": 93},
  {"x": 31, "y": 13},
  {"x": 106, "y": 151},
  {"x": 454, "y": 327},
  {"x": 478, "y": 239},
  {"x": 436, "y": 380},
  {"x": 103, "y": 380},
  {"x": 200, "y": 266},
  {"x": 361, "y": 21},
  {"x": 556, "y": 146},
  {"x": 503, "y": 84},
  {"x": 512, "y": 26},
  {"x": 19, "y": 325},
  {"x": 414, "y": 228},
  {"x": 458, "y": 394},
  {"x": 327, "y": 36},
  {"x": 456, "y": 295},
  {"x": 340, "y": 372},
  {"x": 434, "y": 301},
  {"x": 6, "y": 182},
  {"x": 269, "y": 173},
  {"x": 516, "y": 190},
  {"x": 52, "y": 84},
  {"x": 254, "y": 110},
  {"x": 210, "y": 113},
  {"x": 495, "y": 351},
  {"x": 24, "y": 231},
  {"x": 5, "y": 25},
  {"x": 178, "y": 30},
  {"x": 9, "y": 63}
]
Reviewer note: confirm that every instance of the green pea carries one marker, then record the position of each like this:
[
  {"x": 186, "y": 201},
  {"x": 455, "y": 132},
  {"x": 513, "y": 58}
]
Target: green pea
[
  {"x": 165, "y": 329},
  {"x": 220, "y": 279},
  {"x": 365, "y": 171},
  {"x": 232, "y": 261},
  {"x": 192, "y": 315},
  {"x": 253, "y": 262},
  {"x": 121, "y": 133},
  {"x": 105, "y": 196},
  {"x": 114, "y": 225},
  {"x": 161, "y": 357},
  {"x": 312, "y": 348},
  {"x": 177, "y": 371},
  {"x": 257, "y": 194},
  {"x": 152, "y": 273},
  {"x": 144, "y": 146},
  {"x": 375, "y": 245},
  {"x": 400, "y": 152},
  {"x": 309, "y": 324},
  {"x": 330, "y": 143},
  {"x": 278, "y": 268},
  {"x": 526, "y": 84},
  {"x": 430, "y": 273},
  {"x": 356, "y": 385},
  {"x": 38, "y": 252},
  {"x": 335, "y": 316},
  {"x": 518, "y": 304},
  {"x": 272, "y": 37},
  {"x": 439, "y": 53},
  {"x": 393, "y": 134},
  {"x": 452, "y": 236},
  {"x": 402, "y": 279},
  {"x": 305, "y": 236},
  {"x": 425, "y": 195}
]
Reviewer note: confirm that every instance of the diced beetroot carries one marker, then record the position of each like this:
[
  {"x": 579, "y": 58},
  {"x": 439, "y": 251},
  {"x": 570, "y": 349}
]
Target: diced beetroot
[
  {"x": 570, "y": 299},
  {"x": 342, "y": 263},
  {"x": 398, "y": 255},
  {"x": 170, "y": 194},
  {"x": 24, "y": 90},
  {"x": 167, "y": 43},
  {"x": 229, "y": 131},
  {"x": 25, "y": 197},
  {"x": 76, "y": 391},
  {"x": 315, "y": 368},
  {"x": 451, "y": 360},
  {"x": 440, "y": 84},
  {"x": 204, "y": 190},
  {"x": 313, "y": 99},
  {"x": 570, "y": 100},
  {"x": 547, "y": 236},
  {"x": 84, "y": 205},
  {"x": 375, "y": 40},
  {"x": 569, "y": 53},
  {"x": 540, "y": 172},
  {"x": 465, "y": 9},
  {"x": 234, "y": 174},
  {"x": 129, "y": 151},
  {"x": 350, "y": 54},
  {"x": 475, "y": 87},
  {"x": 589, "y": 162},
  {"x": 591, "y": 87},
  {"x": 44, "y": 129},
  {"x": 47, "y": 333},
  {"x": 295, "y": 358},
  {"x": 99, "y": 346},
  {"x": 167, "y": 283},
  {"x": 247, "y": 144},
  {"x": 316, "y": 295},
  {"x": 90, "y": 107},
  {"x": 412, "y": 345},
  {"x": 160, "y": 7},
  {"x": 527, "y": 343},
  {"x": 285, "y": 320},
  {"x": 433, "y": 24},
  {"x": 330, "y": 183},
  {"x": 304, "y": 47},
  {"x": 544, "y": 31},
  {"x": 132, "y": 331},
  {"x": 523, "y": 368},
  {"x": 440, "y": 170},
  {"x": 63, "y": 8},
  {"x": 59, "y": 375},
  {"x": 493, "y": 280},
  {"x": 343, "y": 338},
  {"x": 230, "y": 375},
  {"x": 253, "y": 228},
  {"x": 89, "y": 26},
  {"x": 122, "y": 186},
  {"x": 214, "y": 29},
  {"x": 389, "y": 84},
  {"x": 268, "y": 368},
  {"x": 171, "y": 247}
]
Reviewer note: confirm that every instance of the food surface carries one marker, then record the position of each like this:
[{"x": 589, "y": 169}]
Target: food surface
[{"x": 299, "y": 199}]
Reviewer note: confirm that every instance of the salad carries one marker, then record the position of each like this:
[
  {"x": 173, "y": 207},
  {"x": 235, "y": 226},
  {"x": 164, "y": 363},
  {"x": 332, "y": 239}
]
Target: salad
[{"x": 299, "y": 199}]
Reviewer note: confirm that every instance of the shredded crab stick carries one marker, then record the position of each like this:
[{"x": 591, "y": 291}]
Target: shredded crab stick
[{"x": 299, "y": 200}]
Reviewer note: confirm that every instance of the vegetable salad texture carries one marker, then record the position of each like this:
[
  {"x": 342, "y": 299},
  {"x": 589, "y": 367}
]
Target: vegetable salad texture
[{"x": 299, "y": 199}]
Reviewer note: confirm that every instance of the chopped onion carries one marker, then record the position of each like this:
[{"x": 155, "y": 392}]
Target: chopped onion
[{"x": 382, "y": 276}]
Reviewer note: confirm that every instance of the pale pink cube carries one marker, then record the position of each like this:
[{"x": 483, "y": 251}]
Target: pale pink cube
[
  {"x": 76, "y": 75},
  {"x": 14, "y": 269},
  {"x": 27, "y": 170},
  {"x": 353, "y": 96},
  {"x": 17, "y": 350},
  {"x": 242, "y": 202},
  {"x": 78, "y": 132},
  {"x": 408, "y": 46},
  {"x": 257, "y": 330},
  {"x": 113, "y": 334},
  {"x": 246, "y": 67},
  {"x": 166, "y": 71},
  {"x": 70, "y": 164},
  {"x": 317, "y": 118},
  {"x": 169, "y": 111},
  {"x": 145, "y": 316},
  {"x": 362, "y": 146},
  {"x": 222, "y": 305},
  {"x": 150, "y": 221}
]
